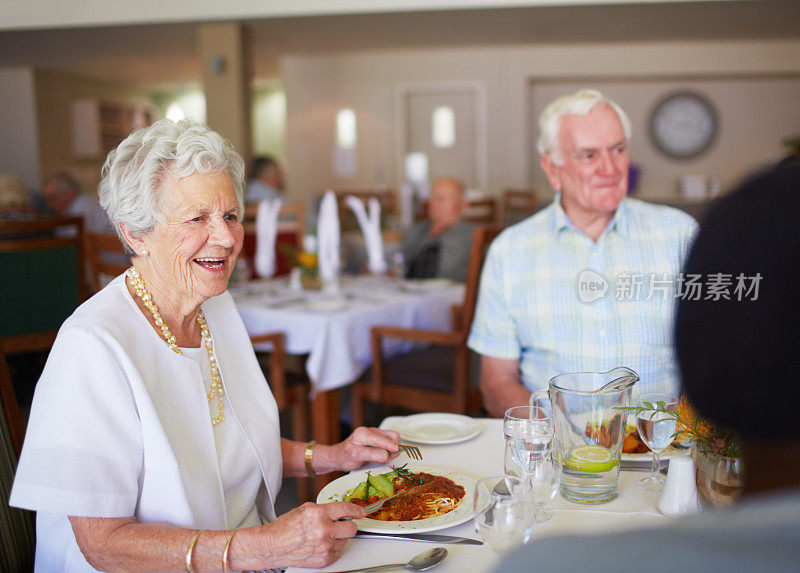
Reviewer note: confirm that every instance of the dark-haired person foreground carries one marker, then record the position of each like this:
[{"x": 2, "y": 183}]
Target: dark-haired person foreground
[
  {"x": 153, "y": 442},
  {"x": 740, "y": 366}
]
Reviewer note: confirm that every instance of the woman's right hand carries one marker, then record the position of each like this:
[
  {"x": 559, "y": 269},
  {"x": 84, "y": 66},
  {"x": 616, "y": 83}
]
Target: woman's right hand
[{"x": 311, "y": 535}]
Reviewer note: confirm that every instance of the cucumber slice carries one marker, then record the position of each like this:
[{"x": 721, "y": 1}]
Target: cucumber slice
[
  {"x": 358, "y": 492},
  {"x": 383, "y": 484}
]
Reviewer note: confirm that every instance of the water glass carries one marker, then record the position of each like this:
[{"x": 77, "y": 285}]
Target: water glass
[
  {"x": 657, "y": 430},
  {"x": 505, "y": 511},
  {"x": 545, "y": 477},
  {"x": 528, "y": 435}
]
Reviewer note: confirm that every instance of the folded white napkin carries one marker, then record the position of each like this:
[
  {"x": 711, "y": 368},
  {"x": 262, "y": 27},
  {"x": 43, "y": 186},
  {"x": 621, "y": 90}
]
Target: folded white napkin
[
  {"x": 371, "y": 227},
  {"x": 328, "y": 238},
  {"x": 266, "y": 230}
]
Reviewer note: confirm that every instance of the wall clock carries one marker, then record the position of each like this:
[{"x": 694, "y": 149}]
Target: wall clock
[{"x": 683, "y": 124}]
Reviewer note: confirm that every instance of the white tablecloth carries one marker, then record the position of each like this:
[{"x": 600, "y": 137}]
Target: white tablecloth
[
  {"x": 481, "y": 457},
  {"x": 337, "y": 341}
]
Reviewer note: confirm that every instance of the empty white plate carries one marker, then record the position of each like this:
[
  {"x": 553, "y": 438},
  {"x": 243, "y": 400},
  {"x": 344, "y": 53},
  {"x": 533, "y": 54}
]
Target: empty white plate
[{"x": 437, "y": 428}]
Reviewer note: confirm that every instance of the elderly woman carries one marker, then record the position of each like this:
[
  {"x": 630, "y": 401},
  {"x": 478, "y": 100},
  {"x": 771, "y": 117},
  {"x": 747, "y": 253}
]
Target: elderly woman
[{"x": 153, "y": 441}]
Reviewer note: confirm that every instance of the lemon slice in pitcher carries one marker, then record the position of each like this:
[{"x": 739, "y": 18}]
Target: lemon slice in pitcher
[{"x": 590, "y": 459}]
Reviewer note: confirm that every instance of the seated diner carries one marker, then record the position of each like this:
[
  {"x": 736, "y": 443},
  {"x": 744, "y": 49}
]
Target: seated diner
[{"x": 153, "y": 442}]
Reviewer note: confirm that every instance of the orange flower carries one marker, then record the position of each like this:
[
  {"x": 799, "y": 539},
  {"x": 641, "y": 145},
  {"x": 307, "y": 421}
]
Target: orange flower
[{"x": 308, "y": 260}]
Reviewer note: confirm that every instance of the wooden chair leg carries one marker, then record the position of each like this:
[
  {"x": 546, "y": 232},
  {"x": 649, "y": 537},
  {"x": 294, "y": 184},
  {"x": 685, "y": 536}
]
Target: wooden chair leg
[
  {"x": 300, "y": 432},
  {"x": 358, "y": 406}
]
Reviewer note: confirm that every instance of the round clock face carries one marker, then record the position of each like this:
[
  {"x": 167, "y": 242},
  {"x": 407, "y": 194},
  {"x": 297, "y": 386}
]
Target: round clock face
[{"x": 683, "y": 125}]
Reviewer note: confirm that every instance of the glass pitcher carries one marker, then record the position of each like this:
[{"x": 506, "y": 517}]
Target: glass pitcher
[{"x": 590, "y": 429}]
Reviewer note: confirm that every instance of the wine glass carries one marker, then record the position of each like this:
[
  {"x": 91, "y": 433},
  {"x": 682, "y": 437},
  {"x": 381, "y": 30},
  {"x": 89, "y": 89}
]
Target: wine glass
[
  {"x": 505, "y": 511},
  {"x": 657, "y": 430}
]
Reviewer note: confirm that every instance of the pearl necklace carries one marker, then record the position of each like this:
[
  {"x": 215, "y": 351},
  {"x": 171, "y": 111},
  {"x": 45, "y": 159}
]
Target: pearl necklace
[{"x": 216, "y": 381}]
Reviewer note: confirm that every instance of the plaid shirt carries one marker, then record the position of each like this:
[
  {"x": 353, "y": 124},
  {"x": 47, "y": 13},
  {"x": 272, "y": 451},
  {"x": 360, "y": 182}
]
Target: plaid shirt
[{"x": 537, "y": 288}]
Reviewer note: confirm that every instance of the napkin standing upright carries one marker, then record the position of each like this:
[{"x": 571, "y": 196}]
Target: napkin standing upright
[
  {"x": 371, "y": 227},
  {"x": 266, "y": 231},
  {"x": 328, "y": 237}
]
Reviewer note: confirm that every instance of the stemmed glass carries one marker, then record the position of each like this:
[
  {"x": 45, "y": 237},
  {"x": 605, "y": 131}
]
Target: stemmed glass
[
  {"x": 657, "y": 430},
  {"x": 504, "y": 511}
]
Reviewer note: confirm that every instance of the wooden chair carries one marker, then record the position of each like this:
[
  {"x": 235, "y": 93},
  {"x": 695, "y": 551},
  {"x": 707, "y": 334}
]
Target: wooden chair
[
  {"x": 107, "y": 258},
  {"x": 43, "y": 280},
  {"x": 291, "y": 230},
  {"x": 17, "y": 540},
  {"x": 481, "y": 211},
  {"x": 290, "y": 392},
  {"x": 347, "y": 220},
  {"x": 518, "y": 204},
  {"x": 435, "y": 378}
]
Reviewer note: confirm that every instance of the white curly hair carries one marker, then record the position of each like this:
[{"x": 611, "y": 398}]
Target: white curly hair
[{"x": 134, "y": 174}]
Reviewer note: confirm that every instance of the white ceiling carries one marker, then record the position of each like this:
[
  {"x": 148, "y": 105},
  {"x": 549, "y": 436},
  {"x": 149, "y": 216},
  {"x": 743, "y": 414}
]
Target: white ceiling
[{"x": 156, "y": 54}]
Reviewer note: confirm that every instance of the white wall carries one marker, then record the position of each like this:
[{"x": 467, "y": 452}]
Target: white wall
[
  {"x": 18, "y": 124},
  {"x": 370, "y": 82}
]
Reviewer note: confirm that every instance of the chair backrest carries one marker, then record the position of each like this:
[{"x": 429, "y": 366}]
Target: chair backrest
[
  {"x": 41, "y": 263},
  {"x": 291, "y": 230},
  {"x": 517, "y": 204},
  {"x": 481, "y": 211},
  {"x": 107, "y": 257},
  {"x": 17, "y": 539},
  {"x": 386, "y": 197},
  {"x": 482, "y": 237}
]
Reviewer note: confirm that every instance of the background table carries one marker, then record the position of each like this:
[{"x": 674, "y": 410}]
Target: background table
[
  {"x": 481, "y": 457},
  {"x": 337, "y": 341}
]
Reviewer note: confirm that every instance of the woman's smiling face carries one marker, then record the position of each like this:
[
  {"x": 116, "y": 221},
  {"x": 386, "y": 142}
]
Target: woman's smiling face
[{"x": 194, "y": 251}]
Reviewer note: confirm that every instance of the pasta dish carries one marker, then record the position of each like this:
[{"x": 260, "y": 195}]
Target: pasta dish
[{"x": 438, "y": 496}]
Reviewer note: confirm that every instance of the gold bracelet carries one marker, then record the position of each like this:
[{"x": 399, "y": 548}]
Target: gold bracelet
[
  {"x": 309, "y": 457},
  {"x": 191, "y": 550},
  {"x": 225, "y": 551}
]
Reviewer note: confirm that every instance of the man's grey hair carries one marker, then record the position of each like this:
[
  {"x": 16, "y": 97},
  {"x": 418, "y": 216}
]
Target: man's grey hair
[
  {"x": 579, "y": 103},
  {"x": 134, "y": 174}
]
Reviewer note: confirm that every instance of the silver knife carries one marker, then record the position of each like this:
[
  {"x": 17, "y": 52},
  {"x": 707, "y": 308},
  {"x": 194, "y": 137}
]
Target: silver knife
[
  {"x": 379, "y": 504},
  {"x": 430, "y": 538}
]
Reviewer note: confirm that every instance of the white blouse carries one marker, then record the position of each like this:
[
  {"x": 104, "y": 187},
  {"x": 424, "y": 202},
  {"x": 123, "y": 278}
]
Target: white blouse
[{"x": 120, "y": 426}]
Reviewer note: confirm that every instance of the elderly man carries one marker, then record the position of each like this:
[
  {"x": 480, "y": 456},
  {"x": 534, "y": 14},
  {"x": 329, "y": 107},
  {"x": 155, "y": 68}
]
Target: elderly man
[
  {"x": 586, "y": 284},
  {"x": 740, "y": 369},
  {"x": 63, "y": 196},
  {"x": 439, "y": 247},
  {"x": 266, "y": 181}
]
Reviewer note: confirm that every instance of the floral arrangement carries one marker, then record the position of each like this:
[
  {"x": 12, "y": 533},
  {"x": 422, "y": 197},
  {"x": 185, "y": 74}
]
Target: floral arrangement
[
  {"x": 690, "y": 426},
  {"x": 307, "y": 262}
]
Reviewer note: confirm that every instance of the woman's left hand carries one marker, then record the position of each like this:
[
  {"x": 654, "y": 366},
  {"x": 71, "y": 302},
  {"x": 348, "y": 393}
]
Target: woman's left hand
[{"x": 364, "y": 445}]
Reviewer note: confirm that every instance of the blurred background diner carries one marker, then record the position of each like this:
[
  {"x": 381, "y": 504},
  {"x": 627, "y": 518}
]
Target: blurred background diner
[{"x": 353, "y": 124}]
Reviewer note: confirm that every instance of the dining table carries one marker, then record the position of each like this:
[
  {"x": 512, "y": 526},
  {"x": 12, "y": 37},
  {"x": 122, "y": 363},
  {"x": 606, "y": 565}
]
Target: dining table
[
  {"x": 479, "y": 457},
  {"x": 332, "y": 327}
]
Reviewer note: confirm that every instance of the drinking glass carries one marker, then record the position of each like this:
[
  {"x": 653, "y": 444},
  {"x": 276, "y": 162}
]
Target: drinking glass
[
  {"x": 657, "y": 430},
  {"x": 528, "y": 435},
  {"x": 505, "y": 511},
  {"x": 544, "y": 474}
]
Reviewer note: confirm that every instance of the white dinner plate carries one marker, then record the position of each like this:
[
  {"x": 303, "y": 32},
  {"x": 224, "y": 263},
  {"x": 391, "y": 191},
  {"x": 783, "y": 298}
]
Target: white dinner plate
[
  {"x": 425, "y": 285},
  {"x": 336, "y": 490},
  {"x": 648, "y": 456},
  {"x": 326, "y": 304},
  {"x": 437, "y": 428}
]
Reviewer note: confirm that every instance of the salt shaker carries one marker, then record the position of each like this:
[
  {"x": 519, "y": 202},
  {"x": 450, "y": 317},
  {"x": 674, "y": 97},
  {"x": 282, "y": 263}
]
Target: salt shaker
[{"x": 680, "y": 492}]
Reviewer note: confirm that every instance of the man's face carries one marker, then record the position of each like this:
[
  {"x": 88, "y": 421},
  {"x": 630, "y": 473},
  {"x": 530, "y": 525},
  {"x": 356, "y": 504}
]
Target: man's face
[
  {"x": 446, "y": 204},
  {"x": 593, "y": 175},
  {"x": 57, "y": 199}
]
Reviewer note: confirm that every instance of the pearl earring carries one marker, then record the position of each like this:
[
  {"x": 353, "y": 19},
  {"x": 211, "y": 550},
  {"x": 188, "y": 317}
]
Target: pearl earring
[{"x": 145, "y": 252}]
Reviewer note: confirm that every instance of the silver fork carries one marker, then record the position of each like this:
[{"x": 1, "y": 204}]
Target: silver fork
[{"x": 411, "y": 451}]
